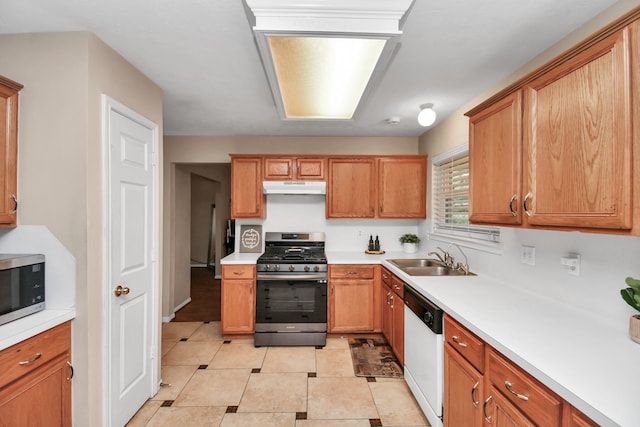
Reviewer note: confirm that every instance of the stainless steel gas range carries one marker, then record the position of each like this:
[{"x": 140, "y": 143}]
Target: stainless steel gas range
[{"x": 291, "y": 293}]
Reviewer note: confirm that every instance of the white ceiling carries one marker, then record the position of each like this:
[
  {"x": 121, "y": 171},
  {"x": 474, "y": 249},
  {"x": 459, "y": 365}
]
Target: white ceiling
[{"x": 202, "y": 54}]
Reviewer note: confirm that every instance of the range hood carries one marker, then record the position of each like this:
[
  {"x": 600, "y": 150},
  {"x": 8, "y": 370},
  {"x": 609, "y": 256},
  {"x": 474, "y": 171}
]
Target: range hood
[{"x": 294, "y": 187}]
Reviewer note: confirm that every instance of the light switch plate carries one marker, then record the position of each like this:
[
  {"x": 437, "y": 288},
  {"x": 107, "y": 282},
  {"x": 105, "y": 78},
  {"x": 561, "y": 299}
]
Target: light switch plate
[{"x": 528, "y": 255}]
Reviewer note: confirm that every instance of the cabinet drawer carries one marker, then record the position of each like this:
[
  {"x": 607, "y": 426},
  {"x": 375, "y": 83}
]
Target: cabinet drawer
[
  {"x": 239, "y": 271},
  {"x": 351, "y": 271},
  {"x": 464, "y": 342},
  {"x": 522, "y": 390},
  {"x": 397, "y": 286},
  {"x": 386, "y": 276},
  {"x": 28, "y": 355}
]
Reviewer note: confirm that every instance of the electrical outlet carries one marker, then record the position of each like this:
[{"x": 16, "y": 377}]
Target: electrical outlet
[
  {"x": 572, "y": 262},
  {"x": 528, "y": 255}
]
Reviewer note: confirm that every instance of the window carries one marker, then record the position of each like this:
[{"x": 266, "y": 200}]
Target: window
[{"x": 450, "y": 199}]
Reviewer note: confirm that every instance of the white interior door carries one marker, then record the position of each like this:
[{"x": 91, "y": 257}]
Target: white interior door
[{"x": 131, "y": 267}]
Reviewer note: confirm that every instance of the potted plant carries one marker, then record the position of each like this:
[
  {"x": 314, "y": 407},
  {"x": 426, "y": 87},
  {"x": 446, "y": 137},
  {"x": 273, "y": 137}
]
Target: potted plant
[
  {"x": 632, "y": 296},
  {"x": 409, "y": 243}
]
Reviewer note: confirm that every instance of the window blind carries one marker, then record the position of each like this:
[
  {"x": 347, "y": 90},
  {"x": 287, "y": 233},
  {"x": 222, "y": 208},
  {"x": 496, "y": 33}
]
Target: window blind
[{"x": 450, "y": 199}]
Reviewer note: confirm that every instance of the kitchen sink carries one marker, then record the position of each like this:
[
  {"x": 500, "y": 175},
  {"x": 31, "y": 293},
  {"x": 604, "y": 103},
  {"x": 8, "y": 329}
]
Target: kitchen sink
[
  {"x": 416, "y": 263},
  {"x": 426, "y": 267}
]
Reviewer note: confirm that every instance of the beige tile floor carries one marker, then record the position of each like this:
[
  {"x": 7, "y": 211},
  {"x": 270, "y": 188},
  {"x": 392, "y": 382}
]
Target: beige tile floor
[{"x": 230, "y": 383}]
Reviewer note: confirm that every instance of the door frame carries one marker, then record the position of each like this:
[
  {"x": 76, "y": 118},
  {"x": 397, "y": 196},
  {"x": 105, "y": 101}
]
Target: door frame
[{"x": 108, "y": 105}]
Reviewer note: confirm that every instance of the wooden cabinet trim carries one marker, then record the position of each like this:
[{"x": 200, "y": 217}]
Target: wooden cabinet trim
[{"x": 596, "y": 37}]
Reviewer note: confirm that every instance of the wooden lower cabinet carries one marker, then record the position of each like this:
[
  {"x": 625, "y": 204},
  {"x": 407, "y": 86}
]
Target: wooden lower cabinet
[
  {"x": 35, "y": 385},
  {"x": 463, "y": 385},
  {"x": 482, "y": 387},
  {"x": 351, "y": 298},
  {"x": 238, "y": 299},
  {"x": 575, "y": 418},
  {"x": 392, "y": 303}
]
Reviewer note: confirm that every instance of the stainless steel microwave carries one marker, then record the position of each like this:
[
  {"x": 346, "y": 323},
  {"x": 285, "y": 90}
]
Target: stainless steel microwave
[{"x": 21, "y": 285}]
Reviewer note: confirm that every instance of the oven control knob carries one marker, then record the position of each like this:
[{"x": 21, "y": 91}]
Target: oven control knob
[
  {"x": 306, "y": 268},
  {"x": 316, "y": 268},
  {"x": 292, "y": 267},
  {"x": 266, "y": 267},
  {"x": 276, "y": 267}
]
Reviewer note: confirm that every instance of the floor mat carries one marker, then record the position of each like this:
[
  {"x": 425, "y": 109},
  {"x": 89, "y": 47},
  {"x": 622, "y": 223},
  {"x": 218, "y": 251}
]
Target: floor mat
[{"x": 372, "y": 357}]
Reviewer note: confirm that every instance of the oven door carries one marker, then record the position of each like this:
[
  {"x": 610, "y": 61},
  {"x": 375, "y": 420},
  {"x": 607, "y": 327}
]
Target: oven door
[{"x": 291, "y": 305}]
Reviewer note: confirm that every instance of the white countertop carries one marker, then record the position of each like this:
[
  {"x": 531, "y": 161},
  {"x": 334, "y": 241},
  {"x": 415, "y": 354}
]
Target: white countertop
[
  {"x": 19, "y": 330},
  {"x": 591, "y": 363}
]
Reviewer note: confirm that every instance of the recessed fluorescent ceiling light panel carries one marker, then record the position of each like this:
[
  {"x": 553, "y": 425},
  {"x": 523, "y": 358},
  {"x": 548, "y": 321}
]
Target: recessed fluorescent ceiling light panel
[
  {"x": 323, "y": 77},
  {"x": 322, "y": 58}
]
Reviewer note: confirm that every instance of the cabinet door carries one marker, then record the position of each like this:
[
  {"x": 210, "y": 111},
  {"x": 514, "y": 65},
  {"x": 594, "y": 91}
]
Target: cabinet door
[
  {"x": 397, "y": 344},
  {"x": 501, "y": 413},
  {"x": 41, "y": 398},
  {"x": 351, "y": 306},
  {"x": 402, "y": 187},
  {"x": 578, "y": 140},
  {"x": 576, "y": 418},
  {"x": 280, "y": 169},
  {"x": 311, "y": 169},
  {"x": 247, "y": 200},
  {"x": 463, "y": 388},
  {"x": 387, "y": 314},
  {"x": 351, "y": 188},
  {"x": 238, "y": 306},
  {"x": 495, "y": 163},
  {"x": 8, "y": 151}
]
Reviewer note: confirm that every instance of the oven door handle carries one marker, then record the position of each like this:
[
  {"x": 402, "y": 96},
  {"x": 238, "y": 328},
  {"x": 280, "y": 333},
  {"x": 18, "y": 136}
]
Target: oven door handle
[{"x": 272, "y": 277}]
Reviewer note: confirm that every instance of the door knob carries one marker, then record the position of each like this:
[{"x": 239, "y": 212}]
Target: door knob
[{"x": 119, "y": 290}]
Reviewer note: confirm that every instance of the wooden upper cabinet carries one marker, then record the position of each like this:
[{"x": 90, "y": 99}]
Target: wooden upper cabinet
[
  {"x": 247, "y": 199},
  {"x": 495, "y": 163},
  {"x": 578, "y": 140},
  {"x": 351, "y": 188},
  {"x": 402, "y": 187},
  {"x": 295, "y": 169},
  {"x": 8, "y": 151}
]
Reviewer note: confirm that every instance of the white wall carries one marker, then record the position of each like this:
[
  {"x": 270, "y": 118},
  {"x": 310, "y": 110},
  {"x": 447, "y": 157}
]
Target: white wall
[
  {"x": 307, "y": 213},
  {"x": 606, "y": 259},
  {"x": 60, "y": 168}
]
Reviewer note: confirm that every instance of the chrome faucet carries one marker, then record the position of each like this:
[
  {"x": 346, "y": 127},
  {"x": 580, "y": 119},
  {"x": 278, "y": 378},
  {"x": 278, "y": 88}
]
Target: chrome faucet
[
  {"x": 445, "y": 258},
  {"x": 462, "y": 267}
]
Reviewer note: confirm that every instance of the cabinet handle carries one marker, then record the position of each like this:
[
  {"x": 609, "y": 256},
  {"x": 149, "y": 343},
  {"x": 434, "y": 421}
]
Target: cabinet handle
[
  {"x": 508, "y": 386},
  {"x": 70, "y": 377},
  {"x": 456, "y": 339},
  {"x": 391, "y": 301},
  {"x": 352, "y": 272},
  {"x": 473, "y": 394},
  {"x": 513, "y": 211},
  {"x": 251, "y": 290},
  {"x": 238, "y": 273},
  {"x": 30, "y": 361},
  {"x": 332, "y": 291},
  {"x": 524, "y": 203},
  {"x": 484, "y": 410},
  {"x": 15, "y": 207}
]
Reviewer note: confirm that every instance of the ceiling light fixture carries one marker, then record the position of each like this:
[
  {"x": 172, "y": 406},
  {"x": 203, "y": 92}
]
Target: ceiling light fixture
[
  {"x": 323, "y": 58},
  {"x": 427, "y": 115}
]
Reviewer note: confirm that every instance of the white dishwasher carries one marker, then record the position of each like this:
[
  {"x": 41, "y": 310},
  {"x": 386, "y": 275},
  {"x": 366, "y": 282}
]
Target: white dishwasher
[{"x": 424, "y": 353}]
